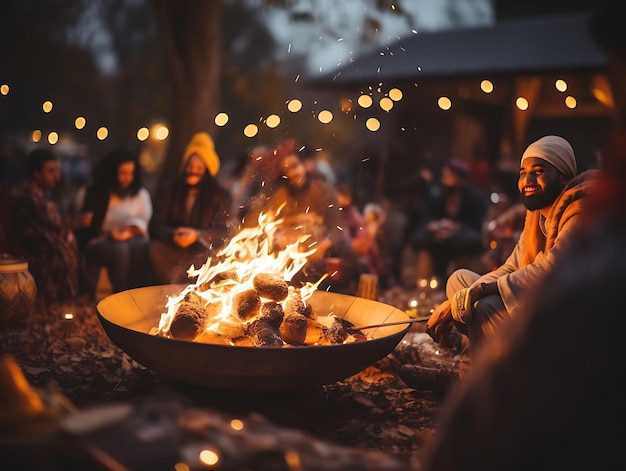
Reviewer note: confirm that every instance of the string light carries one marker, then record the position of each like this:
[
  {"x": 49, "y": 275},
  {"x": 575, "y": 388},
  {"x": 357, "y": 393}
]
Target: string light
[
  {"x": 102, "y": 133},
  {"x": 560, "y": 85},
  {"x": 80, "y": 122},
  {"x": 250, "y": 130},
  {"x": 444, "y": 103},
  {"x": 272, "y": 121},
  {"x": 143, "y": 134},
  {"x": 294, "y": 105},
  {"x": 521, "y": 103},
  {"x": 365, "y": 101},
  {"x": 325, "y": 116},
  {"x": 221, "y": 119}
]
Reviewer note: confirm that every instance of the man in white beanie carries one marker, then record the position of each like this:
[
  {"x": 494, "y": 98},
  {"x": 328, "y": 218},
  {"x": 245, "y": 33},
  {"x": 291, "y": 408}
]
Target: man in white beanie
[{"x": 554, "y": 196}]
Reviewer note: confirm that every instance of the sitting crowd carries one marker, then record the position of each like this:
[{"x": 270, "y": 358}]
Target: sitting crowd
[{"x": 140, "y": 239}]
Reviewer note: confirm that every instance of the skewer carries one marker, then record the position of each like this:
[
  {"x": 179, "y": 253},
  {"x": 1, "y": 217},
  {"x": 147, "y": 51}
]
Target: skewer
[{"x": 410, "y": 321}]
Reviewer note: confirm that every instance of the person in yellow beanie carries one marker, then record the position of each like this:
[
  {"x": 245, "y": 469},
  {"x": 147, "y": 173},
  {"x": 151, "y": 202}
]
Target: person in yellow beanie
[
  {"x": 202, "y": 145},
  {"x": 190, "y": 221}
]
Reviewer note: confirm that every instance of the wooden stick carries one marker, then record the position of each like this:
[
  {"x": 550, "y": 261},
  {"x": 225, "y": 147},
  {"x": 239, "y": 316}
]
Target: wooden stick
[{"x": 410, "y": 321}]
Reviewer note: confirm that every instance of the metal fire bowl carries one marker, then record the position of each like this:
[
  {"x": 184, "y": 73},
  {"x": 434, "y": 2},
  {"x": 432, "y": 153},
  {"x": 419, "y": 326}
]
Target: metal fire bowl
[{"x": 128, "y": 316}]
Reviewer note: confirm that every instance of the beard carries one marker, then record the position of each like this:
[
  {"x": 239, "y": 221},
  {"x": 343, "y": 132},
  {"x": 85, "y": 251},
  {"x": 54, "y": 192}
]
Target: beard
[{"x": 544, "y": 198}]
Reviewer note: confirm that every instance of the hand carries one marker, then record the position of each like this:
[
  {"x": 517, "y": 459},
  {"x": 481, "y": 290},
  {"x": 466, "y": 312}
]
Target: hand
[
  {"x": 121, "y": 234},
  {"x": 440, "y": 324},
  {"x": 185, "y": 236}
]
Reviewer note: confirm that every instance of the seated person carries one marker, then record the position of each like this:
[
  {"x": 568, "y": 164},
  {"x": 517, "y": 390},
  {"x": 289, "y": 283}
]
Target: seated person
[
  {"x": 43, "y": 236},
  {"x": 118, "y": 235},
  {"x": 191, "y": 214},
  {"x": 453, "y": 223},
  {"x": 477, "y": 306}
]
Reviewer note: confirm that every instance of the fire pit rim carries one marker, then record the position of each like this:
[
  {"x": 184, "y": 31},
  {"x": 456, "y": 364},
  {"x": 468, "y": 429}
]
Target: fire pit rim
[{"x": 239, "y": 367}]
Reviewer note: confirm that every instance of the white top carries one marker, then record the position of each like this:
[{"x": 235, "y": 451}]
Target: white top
[{"x": 129, "y": 211}]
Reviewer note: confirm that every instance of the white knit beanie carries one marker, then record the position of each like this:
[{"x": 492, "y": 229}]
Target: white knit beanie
[{"x": 557, "y": 151}]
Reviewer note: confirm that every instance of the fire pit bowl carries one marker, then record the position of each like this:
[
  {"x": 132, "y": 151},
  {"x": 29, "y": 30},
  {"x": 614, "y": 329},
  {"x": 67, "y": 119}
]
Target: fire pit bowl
[{"x": 128, "y": 316}]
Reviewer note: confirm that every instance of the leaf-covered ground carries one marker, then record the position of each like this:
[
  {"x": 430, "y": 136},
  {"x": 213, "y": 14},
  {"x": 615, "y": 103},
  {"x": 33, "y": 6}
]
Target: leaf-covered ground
[{"x": 372, "y": 412}]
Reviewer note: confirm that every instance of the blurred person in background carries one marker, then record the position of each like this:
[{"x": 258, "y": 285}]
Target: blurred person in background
[
  {"x": 191, "y": 214},
  {"x": 258, "y": 178},
  {"x": 451, "y": 228},
  {"x": 43, "y": 236},
  {"x": 354, "y": 226},
  {"x": 117, "y": 237},
  {"x": 309, "y": 206}
]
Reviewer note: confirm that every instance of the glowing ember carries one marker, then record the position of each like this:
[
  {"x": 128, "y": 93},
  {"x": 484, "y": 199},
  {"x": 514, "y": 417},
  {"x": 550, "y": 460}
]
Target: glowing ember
[{"x": 243, "y": 297}]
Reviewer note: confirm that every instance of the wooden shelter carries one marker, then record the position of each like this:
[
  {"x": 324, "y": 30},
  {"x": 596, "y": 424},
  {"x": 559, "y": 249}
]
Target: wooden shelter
[{"x": 487, "y": 91}]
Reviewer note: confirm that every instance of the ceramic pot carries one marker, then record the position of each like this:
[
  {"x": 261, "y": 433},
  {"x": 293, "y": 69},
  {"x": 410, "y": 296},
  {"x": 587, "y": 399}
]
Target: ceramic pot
[{"x": 17, "y": 290}]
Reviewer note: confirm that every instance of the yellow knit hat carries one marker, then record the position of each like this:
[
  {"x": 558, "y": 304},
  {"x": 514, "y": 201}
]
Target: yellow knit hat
[{"x": 202, "y": 145}]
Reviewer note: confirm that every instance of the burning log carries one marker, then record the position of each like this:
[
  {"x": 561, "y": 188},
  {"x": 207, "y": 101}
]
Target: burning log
[
  {"x": 264, "y": 334},
  {"x": 246, "y": 304},
  {"x": 293, "y": 329},
  {"x": 220, "y": 278},
  {"x": 338, "y": 331},
  {"x": 190, "y": 318},
  {"x": 228, "y": 332},
  {"x": 295, "y": 305},
  {"x": 273, "y": 312},
  {"x": 270, "y": 286}
]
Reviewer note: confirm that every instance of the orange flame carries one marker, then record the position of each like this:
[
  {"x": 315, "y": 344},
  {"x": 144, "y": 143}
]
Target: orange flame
[{"x": 250, "y": 252}]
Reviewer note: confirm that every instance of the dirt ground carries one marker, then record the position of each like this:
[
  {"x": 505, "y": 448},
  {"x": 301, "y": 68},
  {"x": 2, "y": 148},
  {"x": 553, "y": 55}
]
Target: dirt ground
[{"x": 368, "y": 421}]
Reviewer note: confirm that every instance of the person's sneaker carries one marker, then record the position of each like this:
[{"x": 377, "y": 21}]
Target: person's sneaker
[{"x": 422, "y": 378}]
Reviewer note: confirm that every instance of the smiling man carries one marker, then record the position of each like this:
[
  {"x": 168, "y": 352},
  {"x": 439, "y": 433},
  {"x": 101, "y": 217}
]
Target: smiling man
[{"x": 554, "y": 196}]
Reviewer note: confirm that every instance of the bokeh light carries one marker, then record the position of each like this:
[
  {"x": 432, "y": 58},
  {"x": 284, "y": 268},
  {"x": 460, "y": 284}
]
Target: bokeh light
[
  {"x": 444, "y": 103},
  {"x": 80, "y": 122},
  {"x": 294, "y": 105},
  {"x": 102, "y": 133},
  {"x": 4, "y": 89},
  {"x": 570, "y": 102},
  {"x": 143, "y": 133},
  {"x": 272, "y": 121},
  {"x": 386, "y": 103},
  {"x": 250, "y": 130},
  {"x": 372, "y": 124},
  {"x": 560, "y": 85},
  {"x": 47, "y": 106},
  {"x": 486, "y": 86},
  {"x": 36, "y": 137},
  {"x": 53, "y": 138},
  {"x": 208, "y": 457},
  {"x": 521, "y": 103},
  {"x": 236, "y": 424},
  {"x": 325, "y": 116},
  {"x": 162, "y": 132},
  {"x": 395, "y": 94},
  {"x": 221, "y": 119},
  {"x": 365, "y": 101}
]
